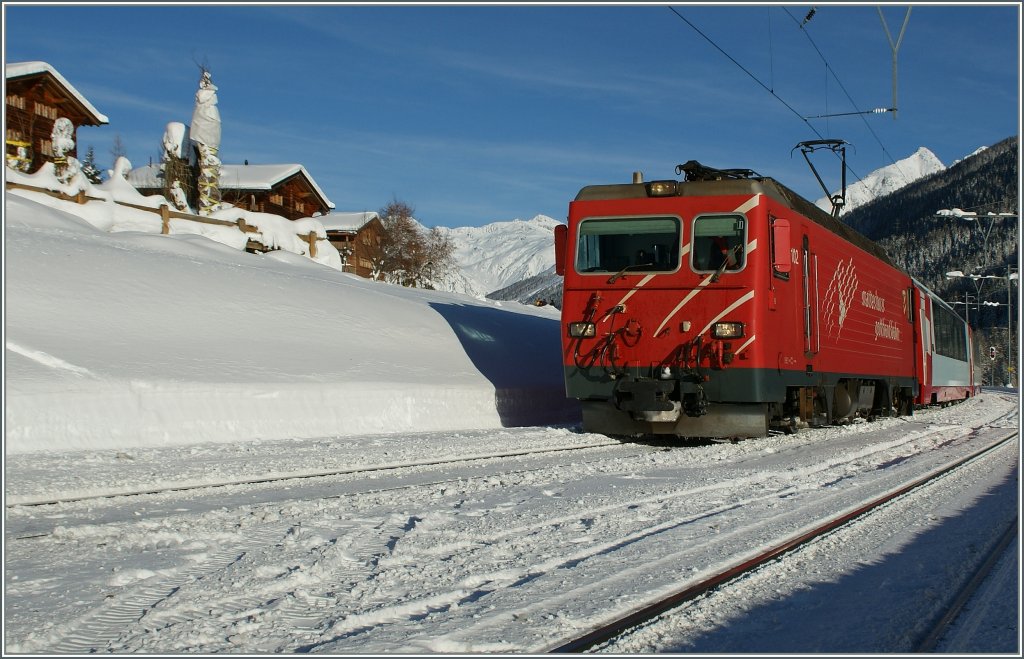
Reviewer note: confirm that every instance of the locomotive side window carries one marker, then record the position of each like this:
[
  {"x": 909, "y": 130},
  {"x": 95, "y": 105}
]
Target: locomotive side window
[
  {"x": 950, "y": 333},
  {"x": 639, "y": 244},
  {"x": 718, "y": 240}
]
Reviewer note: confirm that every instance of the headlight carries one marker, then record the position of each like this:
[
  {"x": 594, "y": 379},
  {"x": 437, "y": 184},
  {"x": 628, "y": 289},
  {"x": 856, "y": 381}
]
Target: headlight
[
  {"x": 661, "y": 188},
  {"x": 582, "y": 330},
  {"x": 727, "y": 330}
]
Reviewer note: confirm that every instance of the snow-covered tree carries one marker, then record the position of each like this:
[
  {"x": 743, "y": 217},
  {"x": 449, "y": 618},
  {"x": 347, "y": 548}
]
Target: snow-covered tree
[
  {"x": 90, "y": 169},
  {"x": 178, "y": 196},
  {"x": 63, "y": 140},
  {"x": 177, "y": 169},
  {"x": 345, "y": 252},
  {"x": 205, "y": 133}
]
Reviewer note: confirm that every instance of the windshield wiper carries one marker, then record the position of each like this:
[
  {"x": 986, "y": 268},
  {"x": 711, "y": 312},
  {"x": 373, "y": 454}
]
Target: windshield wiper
[
  {"x": 620, "y": 273},
  {"x": 733, "y": 252}
]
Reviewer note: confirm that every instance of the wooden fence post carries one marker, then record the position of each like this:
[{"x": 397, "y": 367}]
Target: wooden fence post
[
  {"x": 312, "y": 244},
  {"x": 165, "y": 218}
]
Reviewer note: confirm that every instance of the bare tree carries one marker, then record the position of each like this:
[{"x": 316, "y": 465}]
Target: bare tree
[
  {"x": 409, "y": 255},
  {"x": 118, "y": 149},
  {"x": 440, "y": 255},
  {"x": 400, "y": 243}
]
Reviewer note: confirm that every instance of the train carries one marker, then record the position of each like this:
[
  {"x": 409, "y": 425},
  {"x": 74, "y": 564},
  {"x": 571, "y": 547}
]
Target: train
[{"x": 725, "y": 305}]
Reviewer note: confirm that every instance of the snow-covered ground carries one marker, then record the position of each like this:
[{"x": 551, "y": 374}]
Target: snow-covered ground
[
  {"x": 446, "y": 551},
  {"x": 195, "y": 375}
]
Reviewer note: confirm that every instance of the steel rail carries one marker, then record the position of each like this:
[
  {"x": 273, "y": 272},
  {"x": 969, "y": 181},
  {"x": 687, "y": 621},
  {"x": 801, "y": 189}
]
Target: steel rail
[
  {"x": 614, "y": 628},
  {"x": 942, "y": 623},
  {"x": 181, "y": 487}
]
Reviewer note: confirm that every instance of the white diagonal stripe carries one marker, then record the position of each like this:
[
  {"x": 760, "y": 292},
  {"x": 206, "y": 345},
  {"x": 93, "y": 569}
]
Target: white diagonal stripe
[
  {"x": 745, "y": 345},
  {"x": 729, "y": 309}
]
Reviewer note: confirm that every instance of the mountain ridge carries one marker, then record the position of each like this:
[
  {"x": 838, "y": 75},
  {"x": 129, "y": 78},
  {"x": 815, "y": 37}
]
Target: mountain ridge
[{"x": 886, "y": 180}]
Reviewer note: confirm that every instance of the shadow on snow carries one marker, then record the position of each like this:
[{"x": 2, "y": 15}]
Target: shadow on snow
[
  {"x": 880, "y": 607},
  {"x": 521, "y": 356}
]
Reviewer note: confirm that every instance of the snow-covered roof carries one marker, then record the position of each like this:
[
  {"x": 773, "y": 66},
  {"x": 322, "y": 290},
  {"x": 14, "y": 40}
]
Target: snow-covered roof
[
  {"x": 21, "y": 69},
  {"x": 347, "y": 221},
  {"x": 147, "y": 176},
  {"x": 264, "y": 177},
  {"x": 234, "y": 177}
]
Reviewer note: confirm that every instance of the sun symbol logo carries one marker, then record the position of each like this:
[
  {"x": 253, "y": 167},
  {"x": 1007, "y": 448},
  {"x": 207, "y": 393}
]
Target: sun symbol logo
[{"x": 839, "y": 295}]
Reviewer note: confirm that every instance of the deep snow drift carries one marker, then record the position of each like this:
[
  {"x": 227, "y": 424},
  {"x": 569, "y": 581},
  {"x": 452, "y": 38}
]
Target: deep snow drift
[{"x": 117, "y": 336}]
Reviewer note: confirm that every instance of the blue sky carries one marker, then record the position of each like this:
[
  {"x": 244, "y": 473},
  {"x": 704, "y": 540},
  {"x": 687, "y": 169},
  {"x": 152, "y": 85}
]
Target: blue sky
[{"x": 475, "y": 114}]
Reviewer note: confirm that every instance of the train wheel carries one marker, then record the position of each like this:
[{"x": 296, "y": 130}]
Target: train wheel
[{"x": 901, "y": 402}]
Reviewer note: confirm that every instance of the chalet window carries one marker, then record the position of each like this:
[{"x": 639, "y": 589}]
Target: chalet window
[
  {"x": 16, "y": 101},
  {"x": 366, "y": 239},
  {"x": 277, "y": 199},
  {"x": 46, "y": 147},
  {"x": 300, "y": 207},
  {"x": 14, "y": 135},
  {"x": 363, "y": 263},
  {"x": 46, "y": 111}
]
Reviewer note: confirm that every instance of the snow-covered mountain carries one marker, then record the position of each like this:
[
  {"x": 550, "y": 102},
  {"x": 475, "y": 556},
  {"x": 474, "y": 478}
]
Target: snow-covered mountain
[
  {"x": 887, "y": 180},
  {"x": 497, "y": 255}
]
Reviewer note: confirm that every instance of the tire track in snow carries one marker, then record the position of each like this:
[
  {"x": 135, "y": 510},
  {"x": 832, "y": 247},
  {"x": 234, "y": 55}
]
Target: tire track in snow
[{"x": 102, "y": 629}]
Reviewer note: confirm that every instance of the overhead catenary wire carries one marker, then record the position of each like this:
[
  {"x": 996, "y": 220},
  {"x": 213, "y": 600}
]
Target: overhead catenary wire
[
  {"x": 862, "y": 114},
  {"x": 744, "y": 69},
  {"x": 755, "y": 78}
]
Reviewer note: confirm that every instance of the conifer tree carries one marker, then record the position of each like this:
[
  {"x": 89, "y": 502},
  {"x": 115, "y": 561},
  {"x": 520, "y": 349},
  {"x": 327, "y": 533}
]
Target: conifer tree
[{"x": 89, "y": 167}]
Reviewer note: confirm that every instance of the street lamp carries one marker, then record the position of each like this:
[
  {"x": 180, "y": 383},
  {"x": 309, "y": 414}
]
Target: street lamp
[
  {"x": 971, "y": 216},
  {"x": 967, "y": 305},
  {"x": 1011, "y": 276}
]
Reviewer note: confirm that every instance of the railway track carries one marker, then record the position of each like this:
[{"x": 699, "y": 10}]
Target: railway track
[
  {"x": 249, "y": 491},
  {"x": 639, "y": 616},
  {"x": 944, "y": 622},
  {"x": 297, "y": 476},
  {"x": 264, "y": 488}
]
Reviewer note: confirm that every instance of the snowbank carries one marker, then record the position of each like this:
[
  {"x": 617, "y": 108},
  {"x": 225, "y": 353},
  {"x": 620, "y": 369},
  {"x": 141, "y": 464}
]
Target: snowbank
[{"x": 131, "y": 338}]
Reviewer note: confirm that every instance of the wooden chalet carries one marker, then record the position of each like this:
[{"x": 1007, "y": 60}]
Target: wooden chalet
[
  {"x": 285, "y": 190},
  {"x": 357, "y": 237},
  {"x": 36, "y": 96}
]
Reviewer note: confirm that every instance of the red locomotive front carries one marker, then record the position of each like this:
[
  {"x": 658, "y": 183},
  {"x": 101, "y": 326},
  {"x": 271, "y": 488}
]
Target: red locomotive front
[{"x": 724, "y": 305}]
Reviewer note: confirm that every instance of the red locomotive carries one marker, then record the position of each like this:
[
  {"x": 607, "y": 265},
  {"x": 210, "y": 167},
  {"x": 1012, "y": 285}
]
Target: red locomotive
[{"x": 725, "y": 305}]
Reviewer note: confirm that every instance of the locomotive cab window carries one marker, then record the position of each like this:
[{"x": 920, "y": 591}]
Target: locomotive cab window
[
  {"x": 635, "y": 244},
  {"x": 718, "y": 240}
]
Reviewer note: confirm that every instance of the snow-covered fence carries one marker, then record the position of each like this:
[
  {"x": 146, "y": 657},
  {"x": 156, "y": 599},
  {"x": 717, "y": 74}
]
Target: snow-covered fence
[{"x": 166, "y": 215}]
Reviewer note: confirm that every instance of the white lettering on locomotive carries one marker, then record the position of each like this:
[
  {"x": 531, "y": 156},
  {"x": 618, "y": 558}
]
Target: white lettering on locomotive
[
  {"x": 887, "y": 329},
  {"x": 873, "y": 301}
]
